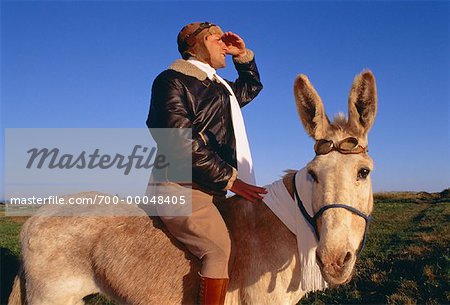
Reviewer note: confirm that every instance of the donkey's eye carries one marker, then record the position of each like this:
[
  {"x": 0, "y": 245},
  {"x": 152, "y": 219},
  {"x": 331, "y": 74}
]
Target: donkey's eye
[
  {"x": 313, "y": 175},
  {"x": 363, "y": 173}
]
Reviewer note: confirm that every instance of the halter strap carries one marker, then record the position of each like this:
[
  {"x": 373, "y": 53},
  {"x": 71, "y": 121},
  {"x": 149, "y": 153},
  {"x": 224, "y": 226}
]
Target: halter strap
[{"x": 313, "y": 220}]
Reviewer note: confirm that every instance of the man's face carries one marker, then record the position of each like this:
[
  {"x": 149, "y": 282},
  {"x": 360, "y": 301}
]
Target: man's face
[{"x": 217, "y": 50}]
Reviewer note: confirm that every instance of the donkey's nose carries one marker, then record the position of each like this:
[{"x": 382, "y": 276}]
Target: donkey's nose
[
  {"x": 337, "y": 260},
  {"x": 336, "y": 264},
  {"x": 348, "y": 257},
  {"x": 341, "y": 261}
]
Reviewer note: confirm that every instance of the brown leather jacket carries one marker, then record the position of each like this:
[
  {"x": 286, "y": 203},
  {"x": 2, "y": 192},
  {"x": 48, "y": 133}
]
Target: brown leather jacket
[{"x": 184, "y": 97}]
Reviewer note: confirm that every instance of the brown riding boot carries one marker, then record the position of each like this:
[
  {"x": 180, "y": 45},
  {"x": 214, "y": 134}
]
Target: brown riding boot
[{"x": 212, "y": 291}]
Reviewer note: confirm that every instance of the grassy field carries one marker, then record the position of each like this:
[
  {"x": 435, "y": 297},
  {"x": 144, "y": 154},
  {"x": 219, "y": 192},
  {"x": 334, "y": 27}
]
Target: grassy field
[{"x": 406, "y": 259}]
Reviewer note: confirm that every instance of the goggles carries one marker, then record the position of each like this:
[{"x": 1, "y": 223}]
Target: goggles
[
  {"x": 201, "y": 27},
  {"x": 347, "y": 146}
]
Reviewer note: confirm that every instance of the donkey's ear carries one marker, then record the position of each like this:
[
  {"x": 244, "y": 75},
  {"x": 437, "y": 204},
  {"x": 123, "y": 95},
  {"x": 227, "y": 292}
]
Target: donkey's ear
[
  {"x": 310, "y": 108},
  {"x": 362, "y": 103}
]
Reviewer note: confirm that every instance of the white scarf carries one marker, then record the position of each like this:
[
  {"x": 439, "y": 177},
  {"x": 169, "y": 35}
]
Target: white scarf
[
  {"x": 243, "y": 153},
  {"x": 285, "y": 208}
]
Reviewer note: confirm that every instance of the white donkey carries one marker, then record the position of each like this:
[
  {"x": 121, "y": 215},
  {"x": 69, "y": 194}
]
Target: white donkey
[{"x": 134, "y": 261}]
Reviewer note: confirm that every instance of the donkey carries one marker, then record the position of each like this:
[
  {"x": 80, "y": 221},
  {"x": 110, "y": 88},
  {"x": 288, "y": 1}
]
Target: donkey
[{"x": 133, "y": 260}]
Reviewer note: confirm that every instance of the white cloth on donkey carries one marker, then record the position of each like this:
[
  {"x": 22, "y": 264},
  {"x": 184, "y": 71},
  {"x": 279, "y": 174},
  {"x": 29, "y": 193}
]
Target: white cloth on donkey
[{"x": 285, "y": 208}]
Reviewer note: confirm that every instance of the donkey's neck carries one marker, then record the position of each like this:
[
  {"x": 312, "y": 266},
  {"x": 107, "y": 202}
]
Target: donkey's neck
[{"x": 265, "y": 258}]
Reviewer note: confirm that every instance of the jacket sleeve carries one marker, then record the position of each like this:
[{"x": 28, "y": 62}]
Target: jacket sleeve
[
  {"x": 247, "y": 86},
  {"x": 168, "y": 110}
]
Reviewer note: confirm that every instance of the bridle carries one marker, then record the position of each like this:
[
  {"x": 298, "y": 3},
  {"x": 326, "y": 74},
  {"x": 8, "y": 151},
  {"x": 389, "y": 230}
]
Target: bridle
[{"x": 357, "y": 149}]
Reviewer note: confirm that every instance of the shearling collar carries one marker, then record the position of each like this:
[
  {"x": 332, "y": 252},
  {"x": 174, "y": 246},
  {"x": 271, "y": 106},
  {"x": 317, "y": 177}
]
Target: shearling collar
[{"x": 185, "y": 67}]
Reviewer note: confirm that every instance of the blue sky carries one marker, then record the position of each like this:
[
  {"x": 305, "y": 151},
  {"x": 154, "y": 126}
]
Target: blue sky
[{"x": 91, "y": 64}]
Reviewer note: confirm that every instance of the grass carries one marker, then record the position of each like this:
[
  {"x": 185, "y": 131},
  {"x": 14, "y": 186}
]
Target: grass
[
  {"x": 9, "y": 252},
  {"x": 406, "y": 259}
]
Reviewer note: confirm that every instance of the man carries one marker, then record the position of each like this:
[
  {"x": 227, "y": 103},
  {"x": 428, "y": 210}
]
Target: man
[{"x": 191, "y": 95}]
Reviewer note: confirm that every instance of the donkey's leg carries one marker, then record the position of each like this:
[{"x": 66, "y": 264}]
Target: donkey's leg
[{"x": 67, "y": 291}]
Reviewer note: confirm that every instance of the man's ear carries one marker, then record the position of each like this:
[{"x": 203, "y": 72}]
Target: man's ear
[
  {"x": 362, "y": 103},
  {"x": 310, "y": 108}
]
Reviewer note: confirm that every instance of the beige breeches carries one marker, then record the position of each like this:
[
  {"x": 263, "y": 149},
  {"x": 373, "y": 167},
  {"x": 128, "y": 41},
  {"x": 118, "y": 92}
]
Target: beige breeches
[{"x": 204, "y": 233}]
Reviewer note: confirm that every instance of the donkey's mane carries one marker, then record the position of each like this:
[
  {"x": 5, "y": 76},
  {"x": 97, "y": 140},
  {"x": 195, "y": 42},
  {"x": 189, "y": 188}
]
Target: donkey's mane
[{"x": 340, "y": 121}]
